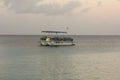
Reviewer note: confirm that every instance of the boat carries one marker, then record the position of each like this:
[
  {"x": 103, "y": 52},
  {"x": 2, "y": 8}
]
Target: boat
[{"x": 52, "y": 38}]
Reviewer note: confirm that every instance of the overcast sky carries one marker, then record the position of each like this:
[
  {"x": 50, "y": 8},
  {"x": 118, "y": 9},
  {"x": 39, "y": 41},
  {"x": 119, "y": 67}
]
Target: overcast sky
[{"x": 82, "y": 17}]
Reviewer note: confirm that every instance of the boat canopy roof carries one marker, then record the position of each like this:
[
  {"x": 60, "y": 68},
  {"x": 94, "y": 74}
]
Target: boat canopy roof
[{"x": 53, "y": 32}]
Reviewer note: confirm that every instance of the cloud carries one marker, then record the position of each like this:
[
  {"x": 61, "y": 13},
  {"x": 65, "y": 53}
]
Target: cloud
[
  {"x": 99, "y": 3},
  {"x": 29, "y": 6},
  {"x": 118, "y": 0},
  {"x": 85, "y": 10},
  {"x": 20, "y": 5},
  {"x": 1, "y": 4}
]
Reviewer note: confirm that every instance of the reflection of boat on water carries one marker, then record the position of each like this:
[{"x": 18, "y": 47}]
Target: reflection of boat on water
[{"x": 56, "y": 40}]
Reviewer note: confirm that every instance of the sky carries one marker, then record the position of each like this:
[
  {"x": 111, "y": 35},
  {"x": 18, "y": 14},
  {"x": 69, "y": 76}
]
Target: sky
[{"x": 77, "y": 17}]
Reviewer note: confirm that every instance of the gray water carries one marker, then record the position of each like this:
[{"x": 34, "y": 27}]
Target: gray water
[{"x": 92, "y": 58}]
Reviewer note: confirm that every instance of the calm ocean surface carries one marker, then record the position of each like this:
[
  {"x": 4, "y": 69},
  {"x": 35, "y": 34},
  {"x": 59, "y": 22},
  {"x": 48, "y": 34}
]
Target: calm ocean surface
[{"x": 93, "y": 58}]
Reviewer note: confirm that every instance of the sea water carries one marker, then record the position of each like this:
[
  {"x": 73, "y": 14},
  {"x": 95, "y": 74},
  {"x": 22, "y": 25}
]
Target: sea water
[{"x": 92, "y": 58}]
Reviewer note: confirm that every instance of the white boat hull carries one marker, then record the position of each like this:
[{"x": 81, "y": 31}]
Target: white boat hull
[
  {"x": 43, "y": 43},
  {"x": 52, "y": 43}
]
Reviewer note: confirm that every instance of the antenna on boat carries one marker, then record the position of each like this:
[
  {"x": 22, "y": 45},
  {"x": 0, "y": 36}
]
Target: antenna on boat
[{"x": 67, "y": 28}]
